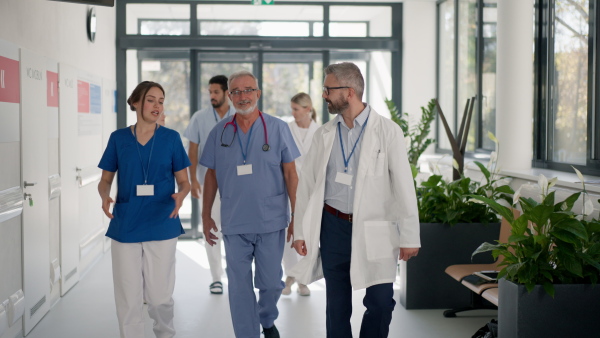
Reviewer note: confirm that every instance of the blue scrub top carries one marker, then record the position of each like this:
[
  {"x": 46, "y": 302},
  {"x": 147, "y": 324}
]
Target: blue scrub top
[
  {"x": 256, "y": 203},
  {"x": 144, "y": 218}
]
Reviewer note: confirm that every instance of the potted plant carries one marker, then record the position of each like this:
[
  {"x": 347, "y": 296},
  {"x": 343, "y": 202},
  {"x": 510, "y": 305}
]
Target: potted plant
[
  {"x": 550, "y": 266},
  {"x": 452, "y": 226},
  {"x": 417, "y": 135}
]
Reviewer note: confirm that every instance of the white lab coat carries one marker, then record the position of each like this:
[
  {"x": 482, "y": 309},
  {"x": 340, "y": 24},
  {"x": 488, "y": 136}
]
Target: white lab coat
[
  {"x": 303, "y": 145},
  {"x": 385, "y": 214}
]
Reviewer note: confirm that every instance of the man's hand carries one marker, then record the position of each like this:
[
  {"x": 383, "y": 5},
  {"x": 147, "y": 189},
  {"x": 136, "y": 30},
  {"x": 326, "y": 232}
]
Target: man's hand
[
  {"x": 300, "y": 247},
  {"x": 178, "y": 197},
  {"x": 290, "y": 232},
  {"x": 106, "y": 202},
  {"x": 196, "y": 189},
  {"x": 208, "y": 224},
  {"x": 407, "y": 253}
]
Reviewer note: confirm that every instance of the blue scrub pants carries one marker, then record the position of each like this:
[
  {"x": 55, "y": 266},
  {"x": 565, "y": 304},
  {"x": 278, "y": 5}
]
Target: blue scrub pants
[
  {"x": 267, "y": 251},
  {"x": 336, "y": 247}
]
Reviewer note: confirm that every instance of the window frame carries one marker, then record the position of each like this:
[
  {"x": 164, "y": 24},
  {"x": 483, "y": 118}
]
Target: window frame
[
  {"x": 544, "y": 25},
  {"x": 458, "y": 107}
]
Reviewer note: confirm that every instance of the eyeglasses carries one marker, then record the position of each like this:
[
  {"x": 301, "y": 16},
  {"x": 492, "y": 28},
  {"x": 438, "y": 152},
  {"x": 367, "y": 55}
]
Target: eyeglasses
[
  {"x": 327, "y": 89},
  {"x": 240, "y": 92}
]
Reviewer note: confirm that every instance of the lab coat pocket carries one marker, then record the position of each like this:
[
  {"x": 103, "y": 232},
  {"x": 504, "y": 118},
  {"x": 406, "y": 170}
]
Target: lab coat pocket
[
  {"x": 377, "y": 167},
  {"x": 379, "y": 238}
]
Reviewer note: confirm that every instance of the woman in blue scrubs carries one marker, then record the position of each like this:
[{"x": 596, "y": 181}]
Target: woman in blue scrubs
[{"x": 144, "y": 223}]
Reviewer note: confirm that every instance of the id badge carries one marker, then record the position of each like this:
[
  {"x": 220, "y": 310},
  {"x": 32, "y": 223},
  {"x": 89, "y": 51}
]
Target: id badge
[
  {"x": 343, "y": 178},
  {"x": 245, "y": 169},
  {"x": 145, "y": 190}
]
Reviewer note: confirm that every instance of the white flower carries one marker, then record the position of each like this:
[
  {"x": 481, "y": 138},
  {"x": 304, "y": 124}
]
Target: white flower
[
  {"x": 588, "y": 206},
  {"x": 543, "y": 183},
  {"x": 476, "y": 201},
  {"x": 517, "y": 195},
  {"x": 581, "y": 179},
  {"x": 552, "y": 182},
  {"x": 454, "y": 164},
  {"x": 492, "y": 137}
]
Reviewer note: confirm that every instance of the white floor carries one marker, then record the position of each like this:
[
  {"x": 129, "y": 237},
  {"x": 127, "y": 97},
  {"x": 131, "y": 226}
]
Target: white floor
[{"x": 87, "y": 311}]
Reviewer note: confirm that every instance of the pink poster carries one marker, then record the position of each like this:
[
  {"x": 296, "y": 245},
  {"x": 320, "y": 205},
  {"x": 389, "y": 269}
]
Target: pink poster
[
  {"x": 9, "y": 80},
  {"x": 52, "y": 89},
  {"x": 83, "y": 97}
]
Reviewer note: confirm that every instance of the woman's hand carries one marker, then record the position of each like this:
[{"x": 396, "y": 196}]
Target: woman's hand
[
  {"x": 106, "y": 202},
  {"x": 178, "y": 197}
]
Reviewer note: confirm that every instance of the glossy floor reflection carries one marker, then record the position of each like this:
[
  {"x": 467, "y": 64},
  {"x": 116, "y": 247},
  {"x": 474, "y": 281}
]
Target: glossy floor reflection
[{"x": 88, "y": 310}]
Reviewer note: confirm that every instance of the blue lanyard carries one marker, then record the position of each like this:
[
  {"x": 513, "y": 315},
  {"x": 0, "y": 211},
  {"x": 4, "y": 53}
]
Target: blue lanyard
[
  {"x": 244, "y": 154},
  {"x": 346, "y": 161},
  {"x": 215, "y": 114},
  {"x": 147, "y": 170}
]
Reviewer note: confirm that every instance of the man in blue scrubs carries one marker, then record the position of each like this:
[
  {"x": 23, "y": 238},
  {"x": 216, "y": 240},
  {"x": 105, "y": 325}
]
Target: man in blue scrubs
[
  {"x": 201, "y": 123},
  {"x": 250, "y": 160}
]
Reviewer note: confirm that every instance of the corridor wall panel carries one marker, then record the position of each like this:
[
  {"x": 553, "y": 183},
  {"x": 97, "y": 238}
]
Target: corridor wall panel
[
  {"x": 34, "y": 169},
  {"x": 10, "y": 149},
  {"x": 52, "y": 101},
  {"x": 69, "y": 198}
]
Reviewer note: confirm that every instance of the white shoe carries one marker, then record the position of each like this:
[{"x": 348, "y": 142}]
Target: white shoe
[
  {"x": 288, "y": 286},
  {"x": 303, "y": 290}
]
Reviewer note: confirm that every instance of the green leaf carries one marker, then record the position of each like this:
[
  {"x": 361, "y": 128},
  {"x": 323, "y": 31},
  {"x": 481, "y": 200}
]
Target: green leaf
[
  {"x": 485, "y": 247},
  {"x": 506, "y": 189},
  {"x": 497, "y": 207},
  {"x": 484, "y": 171},
  {"x": 549, "y": 288},
  {"x": 565, "y": 236},
  {"x": 571, "y": 264},
  {"x": 573, "y": 226}
]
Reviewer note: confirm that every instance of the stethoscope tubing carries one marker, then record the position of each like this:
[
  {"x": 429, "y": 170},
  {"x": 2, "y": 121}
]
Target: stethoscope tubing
[{"x": 265, "y": 146}]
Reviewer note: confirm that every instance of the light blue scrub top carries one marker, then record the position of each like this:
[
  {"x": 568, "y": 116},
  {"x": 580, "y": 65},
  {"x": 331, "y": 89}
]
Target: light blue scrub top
[
  {"x": 201, "y": 123},
  {"x": 256, "y": 203},
  {"x": 144, "y": 218}
]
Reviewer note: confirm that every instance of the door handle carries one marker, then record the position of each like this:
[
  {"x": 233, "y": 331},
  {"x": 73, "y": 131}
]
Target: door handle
[{"x": 25, "y": 184}]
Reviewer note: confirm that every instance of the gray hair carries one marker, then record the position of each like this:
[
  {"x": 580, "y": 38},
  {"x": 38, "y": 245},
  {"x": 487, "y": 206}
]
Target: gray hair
[
  {"x": 241, "y": 73},
  {"x": 348, "y": 74}
]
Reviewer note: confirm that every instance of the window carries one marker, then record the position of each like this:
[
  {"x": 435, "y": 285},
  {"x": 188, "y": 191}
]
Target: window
[
  {"x": 564, "y": 118},
  {"x": 467, "y": 69}
]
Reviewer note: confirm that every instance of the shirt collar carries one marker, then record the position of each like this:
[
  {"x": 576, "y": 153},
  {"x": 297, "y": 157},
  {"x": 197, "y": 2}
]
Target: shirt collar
[{"x": 360, "y": 119}]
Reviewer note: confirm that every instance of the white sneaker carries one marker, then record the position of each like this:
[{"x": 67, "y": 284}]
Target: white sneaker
[
  {"x": 288, "y": 286},
  {"x": 303, "y": 290}
]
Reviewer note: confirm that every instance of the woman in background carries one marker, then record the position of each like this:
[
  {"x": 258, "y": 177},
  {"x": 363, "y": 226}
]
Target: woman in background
[
  {"x": 303, "y": 128},
  {"x": 144, "y": 224}
]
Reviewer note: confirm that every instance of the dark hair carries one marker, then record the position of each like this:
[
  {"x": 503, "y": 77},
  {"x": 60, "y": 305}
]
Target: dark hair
[
  {"x": 304, "y": 101},
  {"x": 219, "y": 79},
  {"x": 140, "y": 92}
]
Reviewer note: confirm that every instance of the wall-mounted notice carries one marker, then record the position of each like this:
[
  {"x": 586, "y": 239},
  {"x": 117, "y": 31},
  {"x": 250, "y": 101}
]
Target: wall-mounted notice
[
  {"x": 52, "y": 98},
  {"x": 89, "y": 105},
  {"x": 10, "y": 93}
]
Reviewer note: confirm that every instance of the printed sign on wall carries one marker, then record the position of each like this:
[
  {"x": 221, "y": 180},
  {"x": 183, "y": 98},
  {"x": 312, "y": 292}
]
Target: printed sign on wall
[
  {"x": 89, "y": 105},
  {"x": 10, "y": 92}
]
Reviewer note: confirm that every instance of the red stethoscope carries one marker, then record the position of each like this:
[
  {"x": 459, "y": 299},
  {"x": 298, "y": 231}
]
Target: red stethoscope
[{"x": 265, "y": 146}]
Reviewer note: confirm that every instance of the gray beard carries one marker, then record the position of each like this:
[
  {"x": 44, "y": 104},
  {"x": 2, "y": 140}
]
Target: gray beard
[{"x": 246, "y": 111}]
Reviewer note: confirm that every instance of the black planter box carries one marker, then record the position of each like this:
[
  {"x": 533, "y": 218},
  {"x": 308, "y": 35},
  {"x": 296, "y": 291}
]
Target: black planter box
[
  {"x": 573, "y": 312},
  {"x": 424, "y": 284}
]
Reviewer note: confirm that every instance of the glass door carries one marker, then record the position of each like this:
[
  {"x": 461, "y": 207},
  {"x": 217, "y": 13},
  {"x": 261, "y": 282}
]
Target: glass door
[{"x": 287, "y": 74}]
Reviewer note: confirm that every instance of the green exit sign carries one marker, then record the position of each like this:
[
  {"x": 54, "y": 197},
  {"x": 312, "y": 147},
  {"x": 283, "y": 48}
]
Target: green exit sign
[{"x": 263, "y": 2}]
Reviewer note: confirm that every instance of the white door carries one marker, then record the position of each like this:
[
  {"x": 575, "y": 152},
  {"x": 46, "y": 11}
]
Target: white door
[
  {"x": 34, "y": 168},
  {"x": 69, "y": 201}
]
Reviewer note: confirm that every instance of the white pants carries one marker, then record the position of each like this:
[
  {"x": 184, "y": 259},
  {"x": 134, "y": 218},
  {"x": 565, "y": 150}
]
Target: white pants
[
  {"x": 141, "y": 271},
  {"x": 290, "y": 258},
  {"x": 215, "y": 258}
]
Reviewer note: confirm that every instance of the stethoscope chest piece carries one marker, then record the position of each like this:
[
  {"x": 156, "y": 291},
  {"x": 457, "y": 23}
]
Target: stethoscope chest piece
[{"x": 266, "y": 147}]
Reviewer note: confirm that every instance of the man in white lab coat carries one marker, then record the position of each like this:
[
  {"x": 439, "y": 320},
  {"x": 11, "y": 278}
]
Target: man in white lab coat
[{"x": 356, "y": 209}]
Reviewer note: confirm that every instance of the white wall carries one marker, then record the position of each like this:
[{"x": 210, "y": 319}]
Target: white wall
[
  {"x": 418, "y": 63},
  {"x": 57, "y": 31}
]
